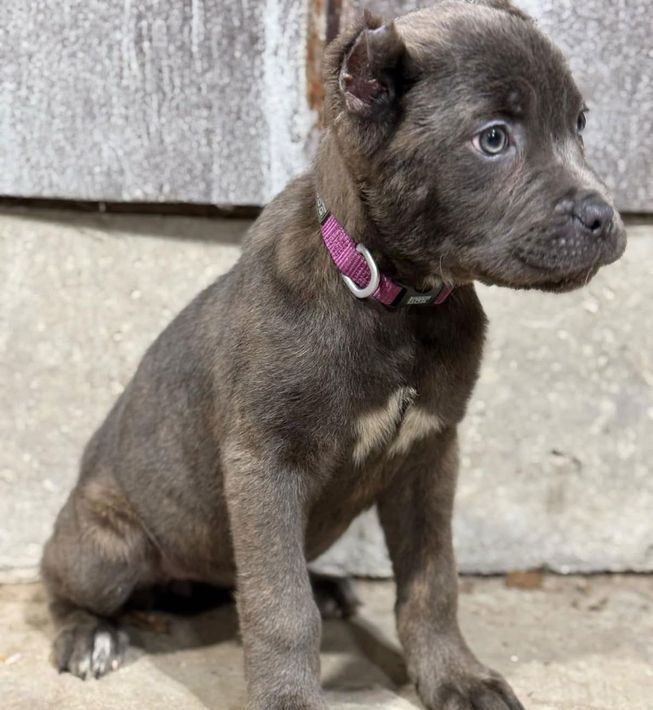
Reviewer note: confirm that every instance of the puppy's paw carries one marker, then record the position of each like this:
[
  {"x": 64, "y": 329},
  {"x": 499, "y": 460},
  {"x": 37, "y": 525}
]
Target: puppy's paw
[
  {"x": 335, "y": 596},
  {"x": 89, "y": 649},
  {"x": 480, "y": 692}
]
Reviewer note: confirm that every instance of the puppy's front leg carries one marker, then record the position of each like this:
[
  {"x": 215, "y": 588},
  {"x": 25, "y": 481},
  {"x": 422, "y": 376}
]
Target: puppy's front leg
[
  {"x": 279, "y": 620},
  {"x": 416, "y": 517}
]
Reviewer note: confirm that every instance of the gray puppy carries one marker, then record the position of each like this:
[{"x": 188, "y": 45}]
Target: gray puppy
[{"x": 284, "y": 400}]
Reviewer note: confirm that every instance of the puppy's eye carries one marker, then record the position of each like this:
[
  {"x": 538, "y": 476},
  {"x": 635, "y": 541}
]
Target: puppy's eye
[
  {"x": 581, "y": 121},
  {"x": 492, "y": 140}
]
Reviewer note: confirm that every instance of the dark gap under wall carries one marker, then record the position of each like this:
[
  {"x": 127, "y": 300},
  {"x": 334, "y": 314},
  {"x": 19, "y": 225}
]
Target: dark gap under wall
[
  {"x": 183, "y": 209},
  {"x": 180, "y": 209}
]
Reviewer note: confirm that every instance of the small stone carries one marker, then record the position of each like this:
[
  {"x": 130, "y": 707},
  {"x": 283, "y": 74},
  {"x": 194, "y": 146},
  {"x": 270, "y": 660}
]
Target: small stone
[{"x": 524, "y": 579}]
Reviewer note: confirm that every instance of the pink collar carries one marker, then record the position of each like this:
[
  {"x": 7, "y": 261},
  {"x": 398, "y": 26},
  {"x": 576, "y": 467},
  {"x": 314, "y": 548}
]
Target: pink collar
[{"x": 361, "y": 274}]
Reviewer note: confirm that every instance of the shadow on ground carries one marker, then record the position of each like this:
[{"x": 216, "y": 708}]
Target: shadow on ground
[{"x": 564, "y": 643}]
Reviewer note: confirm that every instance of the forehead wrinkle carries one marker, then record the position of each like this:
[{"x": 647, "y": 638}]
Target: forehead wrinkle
[
  {"x": 512, "y": 97},
  {"x": 423, "y": 30},
  {"x": 493, "y": 57},
  {"x": 462, "y": 32},
  {"x": 474, "y": 56}
]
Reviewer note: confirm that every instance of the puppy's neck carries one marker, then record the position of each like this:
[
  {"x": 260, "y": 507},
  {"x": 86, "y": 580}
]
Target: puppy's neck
[
  {"x": 340, "y": 190},
  {"x": 342, "y": 193}
]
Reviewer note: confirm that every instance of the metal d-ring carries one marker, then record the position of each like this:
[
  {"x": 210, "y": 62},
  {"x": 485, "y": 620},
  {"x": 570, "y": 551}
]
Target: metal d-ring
[{"x": 374, "y": 276}]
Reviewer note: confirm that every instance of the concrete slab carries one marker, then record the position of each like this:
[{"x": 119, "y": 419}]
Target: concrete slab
[
  {"x": 568, "y": 644},
  {"x": 82, "y": 297},
  {"x": 557, "y": 443}
]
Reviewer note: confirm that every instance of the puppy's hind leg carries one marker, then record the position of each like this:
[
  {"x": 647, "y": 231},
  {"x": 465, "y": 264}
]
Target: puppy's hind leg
[
  {"x": 95, "y": 558},
  {"x": 335, "y": 596}
]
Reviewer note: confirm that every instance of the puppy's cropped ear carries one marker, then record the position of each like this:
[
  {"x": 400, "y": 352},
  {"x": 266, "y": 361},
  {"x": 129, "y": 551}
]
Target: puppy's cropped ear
[{"x": 370, "y": 69}]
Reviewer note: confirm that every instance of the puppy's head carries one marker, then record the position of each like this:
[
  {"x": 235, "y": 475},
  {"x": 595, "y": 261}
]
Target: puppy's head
[{"x": 463, "y": 128}]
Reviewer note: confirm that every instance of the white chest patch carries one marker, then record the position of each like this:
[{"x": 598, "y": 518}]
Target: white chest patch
[
  {"x": 376, "y": 428},
  {"x": 398, "y": 424},
  {"x": 416, "y": 424}
]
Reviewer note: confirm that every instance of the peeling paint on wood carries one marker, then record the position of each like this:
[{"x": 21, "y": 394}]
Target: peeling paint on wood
[
  {"x": 151, "y": 100},
  {"x": 315, "y": 41}
]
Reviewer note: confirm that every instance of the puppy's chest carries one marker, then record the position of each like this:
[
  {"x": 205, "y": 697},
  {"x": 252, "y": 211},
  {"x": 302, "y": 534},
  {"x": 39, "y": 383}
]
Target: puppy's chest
[
  {"x": 379, "y": 437},
  {"x": 394, "y": 427}
]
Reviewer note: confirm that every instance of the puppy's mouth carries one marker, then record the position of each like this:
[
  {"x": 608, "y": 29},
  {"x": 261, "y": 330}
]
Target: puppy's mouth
[
  {"x": 570, "y": 269},
  {"x": 533, "y": 268},
  {"x": 567, "y": 282},
  {"x": 562, "y": 277},
  {"x": 534, "y": 279}
]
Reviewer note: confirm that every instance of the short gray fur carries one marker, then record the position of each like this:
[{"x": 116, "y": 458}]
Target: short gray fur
[{"x": 558, "y": 433}]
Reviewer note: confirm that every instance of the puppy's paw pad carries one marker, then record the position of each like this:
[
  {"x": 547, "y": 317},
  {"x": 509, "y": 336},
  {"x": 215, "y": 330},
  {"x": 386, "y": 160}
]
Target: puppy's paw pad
[{"x": 89, "y": 651}]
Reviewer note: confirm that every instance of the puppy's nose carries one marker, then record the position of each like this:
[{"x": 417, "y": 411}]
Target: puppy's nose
[{"x": 594, "y": 213}]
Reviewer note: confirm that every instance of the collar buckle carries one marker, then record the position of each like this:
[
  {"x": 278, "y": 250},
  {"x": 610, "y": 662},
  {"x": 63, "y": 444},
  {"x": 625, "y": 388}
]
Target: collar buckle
[
  {"x": 409, "y": 296},
  {"x": 375, "y": 276}
]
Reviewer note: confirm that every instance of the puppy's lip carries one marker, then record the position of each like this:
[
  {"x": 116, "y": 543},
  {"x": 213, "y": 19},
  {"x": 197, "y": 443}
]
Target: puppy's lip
[
  {"x": 533, "y": 273},
  {"x": 568, "y": 283},
  {"x": 620, "y": 239},
  {"x": 556, "y": 272},
  {"x": 609, "y": 251},
  {"x": 559, "y": 280},
  {"x": 553, "y": 283},
  {"x": 543, "y": 277}
]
